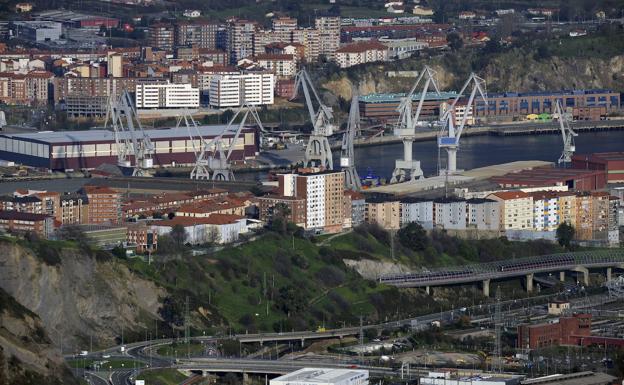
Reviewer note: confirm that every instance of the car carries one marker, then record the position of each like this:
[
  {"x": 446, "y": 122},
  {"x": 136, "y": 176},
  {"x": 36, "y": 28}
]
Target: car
[{"x": 106, "y": 356}]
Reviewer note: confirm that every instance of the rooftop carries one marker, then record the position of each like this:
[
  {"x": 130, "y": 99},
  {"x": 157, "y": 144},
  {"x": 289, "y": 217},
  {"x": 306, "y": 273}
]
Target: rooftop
[
  {"x": 321, "y": 376},
  {"x": 389, "y": 98},
  {"x": 107, "y": 135}
]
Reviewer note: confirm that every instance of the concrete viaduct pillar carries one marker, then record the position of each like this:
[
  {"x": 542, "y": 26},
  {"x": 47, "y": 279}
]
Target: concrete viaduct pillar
[
  {"x": 486, "y": 287},
  {"x": 428, "y": 290},
  {"x": 529, "y": 282},
  {"x": 562, "y": 276},
  {"x": 609, "y": 271},
  {"x": 585, "y": 271}
]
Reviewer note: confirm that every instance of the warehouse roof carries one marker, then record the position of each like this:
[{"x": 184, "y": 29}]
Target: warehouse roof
[
  {"x": 107, "y": 135},
  {"x": 386, "y": 98},
  {"x": 320, "y": 376}
]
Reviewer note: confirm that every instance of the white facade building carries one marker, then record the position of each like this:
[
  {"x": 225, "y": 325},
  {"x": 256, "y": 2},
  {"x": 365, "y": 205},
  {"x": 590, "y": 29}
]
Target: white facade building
[
  {"x": 233, "y": 90},
  {"x": 318, "y": 376},
  {"x": 419, "y": 211},
  {"x": 402, "y": 48},
  {"x": 166, "y": 96},
  {"x": 450, "y": 214},
  {"x": 483, "y": 214}
]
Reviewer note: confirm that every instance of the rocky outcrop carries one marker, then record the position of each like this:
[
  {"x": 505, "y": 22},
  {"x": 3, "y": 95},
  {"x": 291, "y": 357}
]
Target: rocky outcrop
[
  {"x": 80, "y": 297},
  {"x": 27, "y": 355}
]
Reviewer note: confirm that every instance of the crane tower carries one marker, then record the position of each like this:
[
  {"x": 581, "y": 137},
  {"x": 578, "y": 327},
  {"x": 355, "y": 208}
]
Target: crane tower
[
  {"x": 450, "y": 135},
  {"x": 567, "y": 134},
  {"x": 347, "y": 156},
  {"x": 406, "y": 128},
  {"x": 317, "y": 152},
  {"x": 132, "y": 142}
]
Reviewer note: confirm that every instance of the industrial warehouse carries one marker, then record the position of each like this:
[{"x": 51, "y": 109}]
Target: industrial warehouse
[{"x": 76, "y": 150}]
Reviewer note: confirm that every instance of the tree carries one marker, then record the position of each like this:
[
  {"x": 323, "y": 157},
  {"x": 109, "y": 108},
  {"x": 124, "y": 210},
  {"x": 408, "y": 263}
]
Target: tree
[
  {"x": 455, "y": 41},
  {"x": 413, "y": 236},
  {"x": 565, "y": 234},
  {"x": 75, "y": 233},
  {"x": 178, "y": 235}
]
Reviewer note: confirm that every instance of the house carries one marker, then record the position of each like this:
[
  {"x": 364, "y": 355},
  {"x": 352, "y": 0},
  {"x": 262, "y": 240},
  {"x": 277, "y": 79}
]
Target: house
[
  {"x": 360, "y": 53},
  {"x": 419, "y": 10},
  {"x": 218, "y": 228},
  {"x": 23, "y": 7},
  {"x": 192, "y": 13}
]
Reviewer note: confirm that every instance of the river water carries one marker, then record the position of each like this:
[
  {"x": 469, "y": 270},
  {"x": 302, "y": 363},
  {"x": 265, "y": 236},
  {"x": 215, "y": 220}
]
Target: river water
[{"x": 480, "y": 151}]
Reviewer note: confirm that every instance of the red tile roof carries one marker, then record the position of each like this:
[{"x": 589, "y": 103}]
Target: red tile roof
[{"x": 362, "y": 46}]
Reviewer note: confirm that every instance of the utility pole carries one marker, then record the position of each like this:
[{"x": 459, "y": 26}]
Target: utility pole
[
  {"x": 187, "y": 328},
  {"x": 361, "y": 338},
  {"x": 497, "y": 326}
]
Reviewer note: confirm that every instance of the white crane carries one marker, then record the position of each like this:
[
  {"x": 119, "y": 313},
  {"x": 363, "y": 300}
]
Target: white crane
[
  {"x": 130, "y": 138},
  {"x": 220, "y": 166},
  {"x": 406, "y": 128},
  {"x": 567, "y": 134},
  {"x": 450, "y": 135},
  {"x": 317, "y": 152},
  {"x": 200, "y": 169},
  {"x": 347, "y": 156}
]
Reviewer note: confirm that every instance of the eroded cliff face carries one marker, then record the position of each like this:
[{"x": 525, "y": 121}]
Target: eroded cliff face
[
  {"x": 27, "y": 355},
  {"x": 512, "y": 71},
  {"x": 79, "y": 297}
]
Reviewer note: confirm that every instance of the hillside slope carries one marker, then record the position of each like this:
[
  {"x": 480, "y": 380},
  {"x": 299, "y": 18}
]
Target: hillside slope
[
  {"x": 27, "y": 355},
  {"x": 75, "y": 294}
]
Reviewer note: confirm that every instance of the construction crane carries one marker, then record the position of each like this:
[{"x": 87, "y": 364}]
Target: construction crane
[
  {"x": 130, "y": 138},
  {"x": 347, "y": 156},
  {"x": 317, "y": 152},
  {"x": 406, "y": 128},
  {"x": 567, "y": 134},
  {"x": 450, "y": 135}
]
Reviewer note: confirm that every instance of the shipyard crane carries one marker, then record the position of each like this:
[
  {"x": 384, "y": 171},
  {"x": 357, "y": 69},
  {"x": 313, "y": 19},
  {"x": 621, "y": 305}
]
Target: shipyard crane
[
  {"x": 347, "y": 156},
  {"x": 317, "y": 152},
  {"x": 450, "y": 135},
  {"x": 405, "y": 128},
  {"x": 200, "y": 146},
  {"x": 130, "y": 138},
  {"x": 220, "y": 166},
  {"x": 567, "y": 134}
]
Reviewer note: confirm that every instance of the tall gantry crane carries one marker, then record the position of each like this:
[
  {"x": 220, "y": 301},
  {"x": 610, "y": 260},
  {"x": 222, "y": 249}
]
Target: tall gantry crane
[
  {"x": 347, "y": 156},
  {"x": 567, "y": 133},
  {"x": 406, "y": 128},
  {"x": 131, "y": 140},
  {"x": 317, "y": 152},
  {"x": 200, "y": 146},
  {"x": 450, "y": 135}
]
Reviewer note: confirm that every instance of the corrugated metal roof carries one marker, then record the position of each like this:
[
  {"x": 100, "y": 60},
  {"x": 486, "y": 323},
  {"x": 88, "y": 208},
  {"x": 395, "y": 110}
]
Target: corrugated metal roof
[
  {"x": 386, "y": 98},
  {"x": 107, "y": 135}
]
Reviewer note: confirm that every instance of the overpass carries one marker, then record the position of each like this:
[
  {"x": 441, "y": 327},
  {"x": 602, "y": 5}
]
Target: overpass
[{"x": 483, "y": 273}]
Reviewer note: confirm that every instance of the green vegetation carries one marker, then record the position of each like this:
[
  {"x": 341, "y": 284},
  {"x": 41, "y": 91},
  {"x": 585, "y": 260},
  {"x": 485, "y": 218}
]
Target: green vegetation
[
  {"x": 181, "y": 349},
  {"x": 608, "y": 42},
  {"x": 162, "y": 377},
  {"x": 565, "y": 234}
]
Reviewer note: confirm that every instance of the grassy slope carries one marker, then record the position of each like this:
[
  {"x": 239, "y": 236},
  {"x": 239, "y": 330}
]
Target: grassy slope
[{"x": 162, "y": 377}]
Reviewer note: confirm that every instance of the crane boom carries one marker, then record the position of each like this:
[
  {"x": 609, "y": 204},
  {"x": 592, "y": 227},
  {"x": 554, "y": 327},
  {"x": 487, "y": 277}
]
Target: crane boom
[
  {"x": 567, "y": 134},
  {"x": 318, "y": 150},
  {"x": 347, "y": 157}
]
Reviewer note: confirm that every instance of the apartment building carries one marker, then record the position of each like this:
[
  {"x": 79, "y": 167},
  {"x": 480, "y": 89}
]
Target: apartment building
[
  {"x": 240, "y": 39},
  {"x": 324, "y": 195},
  {"x": 234, "y": 90},
  {"x": 282, "y": 65},
  {"x": 294, "y": 208},
  {"x": 161, "y": 36},
  {"x": 516, "y": 212},
  {"x": 104, "y": 205},
  {"x": 141, "y": 236},
  {"x": 483, "y": 214},
  {"x": 328, "y": 28},
  {"x": 417, "y": 210},
  {"x": 97, "y": 87},
  {"x": 449, "y": 214},
  {"x": 21, "y": 222},
  {"x": 74, "y": 209},
  {"x": 613, "y": 224},
  {"x": 355, "y": 208},
  {"x": 309, "y": 38},
  {"x": 166, "y": 96},
  {"x": 360, "y": 53},
  {"x": 384, "y": 212},
  {"x": 30, "y": 89},
  {"x": 199, "y": 34}
]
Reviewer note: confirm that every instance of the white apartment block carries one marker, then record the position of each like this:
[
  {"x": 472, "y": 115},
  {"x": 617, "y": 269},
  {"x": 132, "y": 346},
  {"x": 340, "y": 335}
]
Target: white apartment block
[
  {"x": 360, "y": 53},
  {"x": 283, "y": 66},
  {"x": 459, "y": 112},
  {"x": 449, "y": 214},
  {"x": 420, "y": 212},
  {"x": 329, "y": 34},
  {"x": 483, "y": 214},
  {"x": 166, "y": 96},
  {"x": 233, "y": 90}
]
